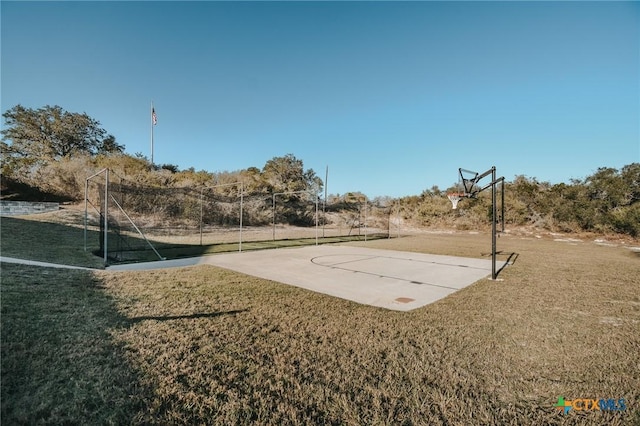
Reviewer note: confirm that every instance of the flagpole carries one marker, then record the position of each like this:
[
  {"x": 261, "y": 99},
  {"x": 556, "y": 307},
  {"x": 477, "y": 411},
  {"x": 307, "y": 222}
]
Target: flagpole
[
  {"x": 152, "y": 133},
  {"x": 324, "y": 202}
]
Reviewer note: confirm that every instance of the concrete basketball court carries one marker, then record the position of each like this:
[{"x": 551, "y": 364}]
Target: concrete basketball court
[{"x": 388, "y": 279}]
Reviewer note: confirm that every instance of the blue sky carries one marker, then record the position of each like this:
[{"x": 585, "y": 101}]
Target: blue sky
[{"x": 393, "y": 97}]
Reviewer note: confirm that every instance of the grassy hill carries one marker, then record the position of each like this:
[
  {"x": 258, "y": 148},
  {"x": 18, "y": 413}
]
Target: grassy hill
[{"x": 605, "y": 202}]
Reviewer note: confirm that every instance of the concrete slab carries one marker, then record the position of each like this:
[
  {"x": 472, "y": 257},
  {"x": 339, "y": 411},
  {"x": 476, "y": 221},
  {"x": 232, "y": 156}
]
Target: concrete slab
[
  {"x": 43, "y": 264},
  {"x": 158, "y": 264},
  {"x": 394, "y": 280},
  {"x": 388, "y": 279}
]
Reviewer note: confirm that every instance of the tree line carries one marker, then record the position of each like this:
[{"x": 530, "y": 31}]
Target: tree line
[
  {"x": 48, "y": 152},
  {"x": 608, "y": 201}
]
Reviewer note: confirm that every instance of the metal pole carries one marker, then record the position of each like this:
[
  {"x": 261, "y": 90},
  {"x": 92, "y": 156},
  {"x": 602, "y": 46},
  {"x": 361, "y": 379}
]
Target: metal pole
[
  {"x": 201, "y": 201},
  {"x": 241, "y": 201},
  {"x": 86, "y": 192},
  {"x": 502, "y": 191},
  {"x": 365, "y": 219},
  {"x": 106, "y": 213},
  {"x": 324, "y": 202},
  {"x": 398, "y": 218},
  {"x": 317, "y": 219},
  {"x": 151, "y": 133},
  {"x": 493, "y": 223}
]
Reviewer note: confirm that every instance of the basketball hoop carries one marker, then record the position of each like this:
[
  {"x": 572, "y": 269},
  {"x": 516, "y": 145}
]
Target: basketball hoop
[{"x": 454, "y": 197}]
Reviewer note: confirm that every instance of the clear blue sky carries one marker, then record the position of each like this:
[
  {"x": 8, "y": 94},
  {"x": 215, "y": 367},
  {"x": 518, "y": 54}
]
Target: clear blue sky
[{"x": 392, "y": 96}]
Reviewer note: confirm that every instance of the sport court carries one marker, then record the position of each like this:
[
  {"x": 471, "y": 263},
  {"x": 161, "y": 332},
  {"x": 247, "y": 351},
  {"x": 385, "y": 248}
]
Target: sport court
[{"x": 388, "y": 279}]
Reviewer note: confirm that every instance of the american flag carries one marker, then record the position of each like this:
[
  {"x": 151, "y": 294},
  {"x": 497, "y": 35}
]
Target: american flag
[{"x": 154, "y": 118}]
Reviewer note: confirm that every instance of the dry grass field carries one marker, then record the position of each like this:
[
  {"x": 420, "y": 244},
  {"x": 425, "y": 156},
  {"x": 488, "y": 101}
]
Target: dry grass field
[{"x": 204, "y": 345}]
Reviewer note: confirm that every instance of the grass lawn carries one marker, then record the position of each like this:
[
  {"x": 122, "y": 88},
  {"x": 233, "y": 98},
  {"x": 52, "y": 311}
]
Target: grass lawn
[{"x": 207, "y": 345}]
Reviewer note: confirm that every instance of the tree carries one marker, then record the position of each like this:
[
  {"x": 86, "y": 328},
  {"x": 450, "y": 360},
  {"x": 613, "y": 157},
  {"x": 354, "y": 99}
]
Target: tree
[
  {"x": 170, "y": 167},
  {"x": 630, "y": 175},
  {"x": 606, "y": 189},
  {"x": 252, "y": 180},
  {"x": 39, "y": 136},
  {"x": 110, "y": 146},
  {"x": 287, "y": 174}
]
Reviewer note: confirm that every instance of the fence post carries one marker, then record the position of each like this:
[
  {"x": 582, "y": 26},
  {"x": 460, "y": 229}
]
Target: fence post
[
  {"x": 201, "y": 201},
  {"x": 241, "y": 201},
  {"x": 106, "y": 213}
]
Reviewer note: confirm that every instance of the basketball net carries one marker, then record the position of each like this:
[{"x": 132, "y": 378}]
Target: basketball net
[{"x": 454, "y": 198}]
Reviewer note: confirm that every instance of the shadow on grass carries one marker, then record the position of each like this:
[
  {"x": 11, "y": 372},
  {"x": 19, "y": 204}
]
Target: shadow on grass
[
  {"x": 47, "y": 242},
  {"x": 64, "y": 243},
  {"x": 181, "y": 317},
  {"x": 177, "y": 251},
  {"x": 59, "y": 362},
  {"x": 510, "y": 260}
]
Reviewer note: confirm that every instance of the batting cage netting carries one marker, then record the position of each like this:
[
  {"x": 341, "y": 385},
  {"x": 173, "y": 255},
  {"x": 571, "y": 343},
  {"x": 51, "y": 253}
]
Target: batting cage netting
[{"x": 136, "y": 222}]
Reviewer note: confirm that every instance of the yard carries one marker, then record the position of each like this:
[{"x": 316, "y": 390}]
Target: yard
[{"x": 210, "y": 346}]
